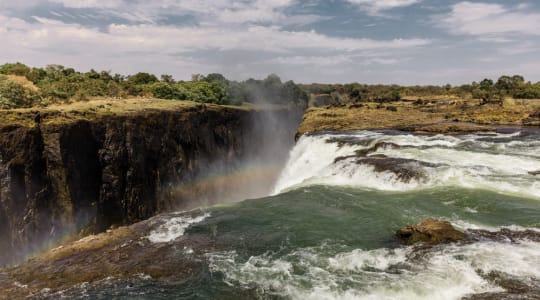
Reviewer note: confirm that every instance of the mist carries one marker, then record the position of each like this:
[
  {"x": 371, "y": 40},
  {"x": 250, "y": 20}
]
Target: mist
[{"x": 268, "y": 135}]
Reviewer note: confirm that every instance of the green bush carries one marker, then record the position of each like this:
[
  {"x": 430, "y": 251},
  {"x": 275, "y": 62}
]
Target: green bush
[
  {"x": 15, "y": 95},
  {"x": 164, "y": 90},
  {"x": 57, "y": 83}
]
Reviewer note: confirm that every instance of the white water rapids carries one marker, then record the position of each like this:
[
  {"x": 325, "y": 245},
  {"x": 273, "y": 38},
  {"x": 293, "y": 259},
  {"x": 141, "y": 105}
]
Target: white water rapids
[
  {"x": 500, "y": 162},
  {"x": 490, "y": 161}
]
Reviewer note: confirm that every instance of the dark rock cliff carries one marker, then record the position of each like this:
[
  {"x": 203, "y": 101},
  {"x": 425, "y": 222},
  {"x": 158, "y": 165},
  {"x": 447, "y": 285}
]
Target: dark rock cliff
[{"x": 69, "y": 179}]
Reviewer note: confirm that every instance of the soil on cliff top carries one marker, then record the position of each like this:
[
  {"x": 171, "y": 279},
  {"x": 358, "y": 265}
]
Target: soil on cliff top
[
  {"x": 450, "y": 117},
  {"x": 98, "y": 108}
]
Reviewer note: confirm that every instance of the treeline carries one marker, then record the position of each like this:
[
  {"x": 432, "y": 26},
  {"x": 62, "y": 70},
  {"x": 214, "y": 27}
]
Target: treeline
[
  {"x": 487, "y": 90},
  {"x": 57, "y": 84}
]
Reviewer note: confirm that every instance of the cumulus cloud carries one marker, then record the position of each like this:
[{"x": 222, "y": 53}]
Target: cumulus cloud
[
  {"x": 488, "y": 19},
  {"x": 151, "y": 37},
  {"x": 256, "y": 37},
  {"x": 185, "y": 47}
]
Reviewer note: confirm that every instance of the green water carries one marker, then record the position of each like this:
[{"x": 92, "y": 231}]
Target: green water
[
  {"x": 329, "y": 233},
  {"x": 320, "y": 221},
  {"x": 360, "y": 219}
]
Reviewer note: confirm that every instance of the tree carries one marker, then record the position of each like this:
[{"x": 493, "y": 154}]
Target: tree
[
  {"x": 54, "y": 72},
  {"x": 486, "y": 84},
  {"x": 216, "y": 78},
  {"x": 36, "y": 75},
  {"x": 485, "y": 91},
  {"x": 167, "y": 78},
  {"x": 15, "y": 69},
  {"x": 142, "y": 78},
  {"x": 164, "y": 90}
]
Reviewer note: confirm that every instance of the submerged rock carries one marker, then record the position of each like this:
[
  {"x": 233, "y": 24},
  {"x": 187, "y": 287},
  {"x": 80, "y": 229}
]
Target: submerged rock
[
  {"x": 403, "y": 168},
  {"x": 503, "y": 235},
  {"x": 430, "y": 231},
  {"x": 534, "y": 173},
  {"x": 451, "y": 128},
  {"x": 514, "y": 288}
]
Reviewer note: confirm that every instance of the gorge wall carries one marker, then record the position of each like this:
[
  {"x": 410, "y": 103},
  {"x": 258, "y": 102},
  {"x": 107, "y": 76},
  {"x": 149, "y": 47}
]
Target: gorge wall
[{"x": 82, "y": 176}]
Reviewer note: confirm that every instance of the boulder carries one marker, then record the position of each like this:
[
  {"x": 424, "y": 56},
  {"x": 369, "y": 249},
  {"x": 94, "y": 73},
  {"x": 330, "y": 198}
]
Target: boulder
[{"x": 430, "y": 231}]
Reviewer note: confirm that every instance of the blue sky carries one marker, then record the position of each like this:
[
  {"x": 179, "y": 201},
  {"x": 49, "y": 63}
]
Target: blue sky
[{"x": 369, "y": 41}]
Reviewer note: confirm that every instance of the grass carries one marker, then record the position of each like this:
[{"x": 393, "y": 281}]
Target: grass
[
  {"x": 403, "y": 114},
  {"x": 98, "y": 108}
]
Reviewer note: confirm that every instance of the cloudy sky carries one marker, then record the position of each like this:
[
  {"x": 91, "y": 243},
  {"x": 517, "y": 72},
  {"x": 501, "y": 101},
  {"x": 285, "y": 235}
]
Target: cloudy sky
[{"x": 369, "y": 41}]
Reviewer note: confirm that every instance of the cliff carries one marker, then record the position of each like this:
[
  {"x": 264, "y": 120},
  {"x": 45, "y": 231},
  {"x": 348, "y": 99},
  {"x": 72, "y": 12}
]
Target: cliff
[{"x": 70, "y": 171}]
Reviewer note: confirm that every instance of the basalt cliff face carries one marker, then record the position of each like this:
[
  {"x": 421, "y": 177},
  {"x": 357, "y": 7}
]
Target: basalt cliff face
[{"x": 84, "y": 175}]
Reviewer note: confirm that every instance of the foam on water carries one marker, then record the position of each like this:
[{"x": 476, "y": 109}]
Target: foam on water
[
  {"x": 471, "y": 161},
  {"x": 174, "y": 228},
  {"x": 451, "y": 272}
]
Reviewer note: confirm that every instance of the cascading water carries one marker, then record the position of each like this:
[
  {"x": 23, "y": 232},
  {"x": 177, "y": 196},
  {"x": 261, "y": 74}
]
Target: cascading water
[
  {"x": 496, "y": 161},
  {"x": 328, "y": 230}
]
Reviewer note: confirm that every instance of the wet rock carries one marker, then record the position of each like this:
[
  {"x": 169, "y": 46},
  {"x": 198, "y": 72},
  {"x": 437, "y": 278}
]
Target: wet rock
[
  {"x": 405, "y": 169},
  {"x": 502, "y": 296},
  {"x": 534, "y": 173},
  {"x": 430, "y": 231},
  {"x": 507, "y": 282},
  {"x": 503, "y": 235},
  {"x": 514, "y": 287},
  {"x": 377, "y": 146},
  {"x": 533, "y": 119},
  {"x": 121, "y": 253},
  {"x": 346, "y": 140},
  {"x": 453, "y": 128}
]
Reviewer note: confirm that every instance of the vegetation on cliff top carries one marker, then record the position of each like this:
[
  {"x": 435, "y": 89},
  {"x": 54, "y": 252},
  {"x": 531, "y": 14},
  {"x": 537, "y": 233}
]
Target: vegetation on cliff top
[
  {"x": 438, "y": 117},
  {"x": 486, "y": 90},
  {"x": 23, "y": 86},
  {"x": 98, "y": 108}
]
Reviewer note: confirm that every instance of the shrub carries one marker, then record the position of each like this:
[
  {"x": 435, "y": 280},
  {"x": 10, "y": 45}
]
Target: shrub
[{"x": 15, "y": 95}]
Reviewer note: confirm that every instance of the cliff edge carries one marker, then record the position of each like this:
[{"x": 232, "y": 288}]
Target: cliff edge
[
  {"x": 423, "y": 117},
  {"x": 73, "y": 170}
]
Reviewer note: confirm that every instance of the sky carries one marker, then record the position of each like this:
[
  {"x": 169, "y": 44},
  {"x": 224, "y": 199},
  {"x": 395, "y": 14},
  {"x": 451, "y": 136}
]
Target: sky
[{"x": 328, "y": 41}]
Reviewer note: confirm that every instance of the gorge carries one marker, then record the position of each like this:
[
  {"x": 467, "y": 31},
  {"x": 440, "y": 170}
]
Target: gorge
[
  {"x": 77, "y": 172},
  {"x": 320, "y": 220}
]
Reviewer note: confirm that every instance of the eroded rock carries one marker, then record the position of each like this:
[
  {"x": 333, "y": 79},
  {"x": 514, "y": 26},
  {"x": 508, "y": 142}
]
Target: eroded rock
[
  {"x": 430, "y": 231},
  {"x": 405, "y": 169}
]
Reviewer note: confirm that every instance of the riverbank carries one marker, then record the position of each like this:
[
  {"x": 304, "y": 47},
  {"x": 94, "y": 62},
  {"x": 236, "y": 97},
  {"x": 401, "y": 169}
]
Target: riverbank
[{"x": 447, "y": 117}]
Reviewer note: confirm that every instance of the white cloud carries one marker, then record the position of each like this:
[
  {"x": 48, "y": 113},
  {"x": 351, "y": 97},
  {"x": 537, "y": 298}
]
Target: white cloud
[
  {"x": 185, "y": 50},
  {"x": 319, "y": 61},
  {"x": 332, "y": 60},
  {"x": 254, "y": 37},
  {"x": 485, "y": 19},
  {"x": 89, "y": 3},
  {"x": 206, "y": 11},
  {"x": 376, "y": 6},
  {"x": 150, "y": 37}
]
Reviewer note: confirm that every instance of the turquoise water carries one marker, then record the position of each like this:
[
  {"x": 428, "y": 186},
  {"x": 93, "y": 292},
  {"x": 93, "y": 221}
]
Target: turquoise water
[{"x": 329, "y": 230}]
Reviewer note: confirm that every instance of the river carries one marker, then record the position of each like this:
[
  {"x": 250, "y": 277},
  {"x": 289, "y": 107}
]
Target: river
[{"x": 328, "y": 229}]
